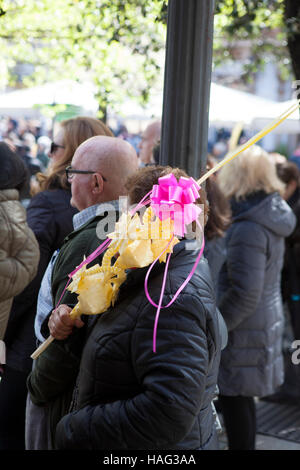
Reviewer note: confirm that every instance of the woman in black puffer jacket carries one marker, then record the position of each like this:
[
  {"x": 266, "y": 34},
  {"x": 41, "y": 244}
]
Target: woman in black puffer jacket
[
  {"x": 132, "y": 398},
  {"x": 249, "y": 291},
  {"x": 128, "y": 397}
]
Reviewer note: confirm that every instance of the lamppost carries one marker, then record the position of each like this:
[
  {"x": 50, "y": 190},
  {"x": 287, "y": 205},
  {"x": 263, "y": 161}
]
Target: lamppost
[{"x": 187, "y": 85}]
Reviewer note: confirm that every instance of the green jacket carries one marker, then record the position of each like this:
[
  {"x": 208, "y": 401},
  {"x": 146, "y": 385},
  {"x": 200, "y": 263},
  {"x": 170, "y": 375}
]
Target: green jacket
[
  {"x": 48, "y": 384},
  {"x": 77, "y": 244}
]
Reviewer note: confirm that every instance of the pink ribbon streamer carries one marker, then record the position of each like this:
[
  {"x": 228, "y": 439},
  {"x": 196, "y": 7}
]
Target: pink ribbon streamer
[
  {"x": 142, "y": 203},
  {"x": 159, "y": 306},
  {"x": 175, "y": 199},
  {"x": 88, "y": 260},
  {"x": 92, "y": 256},
  {"x": 160, "y": 302}
]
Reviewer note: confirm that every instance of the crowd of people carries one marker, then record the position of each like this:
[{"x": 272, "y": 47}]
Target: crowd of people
[{"x": 99, "y": 385}]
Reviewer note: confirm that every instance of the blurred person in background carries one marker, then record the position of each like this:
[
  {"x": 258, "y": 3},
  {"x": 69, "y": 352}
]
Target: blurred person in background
[
  {"x": 11, "y": 129},
  {"x": 295, "y": 157},
  {"x": 219, "y": 219},
  {"x": 150, "y": 138},
  {"x": 249, "y": 291},
  {"x": 156, "y": 153},
  {"x": 28, "y": 153},
  {"x": 289, "y": 173},
  {"x": 43, "y": 149},
  {"x": 19, "y": 257},
  {"x": 219, "y": 150},
  {"x": 50, "y": 216},
  {"x": 25, "y": 149}
]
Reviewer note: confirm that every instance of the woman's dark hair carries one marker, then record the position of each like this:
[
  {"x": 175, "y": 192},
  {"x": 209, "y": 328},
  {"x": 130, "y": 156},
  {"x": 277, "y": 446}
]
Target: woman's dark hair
[
  {"x": 13, "y": 171},
  {"x": 141, "y": 182},
  {"x": 219, "y": 217},
  {"x": 287, "y": 172}
]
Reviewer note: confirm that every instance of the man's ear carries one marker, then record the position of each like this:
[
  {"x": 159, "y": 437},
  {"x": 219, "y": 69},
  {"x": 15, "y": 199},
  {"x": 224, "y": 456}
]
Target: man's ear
[{"x": 97, "y": 182}]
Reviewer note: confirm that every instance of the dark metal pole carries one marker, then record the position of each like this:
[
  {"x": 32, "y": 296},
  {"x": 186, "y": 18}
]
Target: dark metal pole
[{"x": 187, "y": 85}]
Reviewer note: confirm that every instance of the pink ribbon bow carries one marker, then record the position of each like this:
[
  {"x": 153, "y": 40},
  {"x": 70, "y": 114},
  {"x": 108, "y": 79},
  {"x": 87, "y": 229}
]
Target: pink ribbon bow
[{"x": 175, "y": 199}]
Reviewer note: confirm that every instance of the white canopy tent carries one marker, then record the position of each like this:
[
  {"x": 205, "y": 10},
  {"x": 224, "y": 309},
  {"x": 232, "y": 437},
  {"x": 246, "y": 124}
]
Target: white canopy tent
[
  {"x": 24, "y": 101},
  {"x": 228, "y": 106}
]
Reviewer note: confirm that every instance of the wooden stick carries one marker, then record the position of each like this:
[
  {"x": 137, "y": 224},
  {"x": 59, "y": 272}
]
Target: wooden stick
[
  {"x": 42, "y": 347},
  {"x": 75, "y": 312}
]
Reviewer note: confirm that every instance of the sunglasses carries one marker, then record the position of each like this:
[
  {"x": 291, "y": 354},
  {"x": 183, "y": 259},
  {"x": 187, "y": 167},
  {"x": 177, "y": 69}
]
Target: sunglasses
[
  {"x": 54, "y": 147},
  {"x": 71, "y": 171}
]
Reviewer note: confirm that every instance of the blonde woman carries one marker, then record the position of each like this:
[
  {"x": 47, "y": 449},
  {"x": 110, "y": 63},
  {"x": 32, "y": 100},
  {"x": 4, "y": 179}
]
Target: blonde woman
[
  {"x": 249, "y": 290},
  {"x": 50, "y": 217}
]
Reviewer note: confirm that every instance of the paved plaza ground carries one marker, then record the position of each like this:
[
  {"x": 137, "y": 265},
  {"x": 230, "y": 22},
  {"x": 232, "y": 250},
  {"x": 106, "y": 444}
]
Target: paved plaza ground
[{"x": 264, "y": 441}]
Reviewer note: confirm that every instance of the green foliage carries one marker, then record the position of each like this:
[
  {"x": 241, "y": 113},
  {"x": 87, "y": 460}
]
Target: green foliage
[
  {"x": 283, "y": 149},
  {"x": 260, "y": 21},
  {"x": 114, "y": 43},
  {"x": 2, "y": 11},
  {"x": 51, "y": 110},
  {"x": 120, "y": 44}
]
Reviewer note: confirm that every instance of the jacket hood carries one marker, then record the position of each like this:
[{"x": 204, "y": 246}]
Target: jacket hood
[{"x": 269, "y": 210}]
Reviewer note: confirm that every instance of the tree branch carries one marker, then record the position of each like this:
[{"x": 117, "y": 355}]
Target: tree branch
[{"x": 292, "y": 17}]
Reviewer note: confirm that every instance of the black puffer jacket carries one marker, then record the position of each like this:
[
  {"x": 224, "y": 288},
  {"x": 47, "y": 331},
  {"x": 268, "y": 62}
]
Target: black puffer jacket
[
  {"x": 132, "y": 398},
  {"x": 250, "y": 297},
  {"x": 215, "y": 253},
  {"x": 291, "y": 268}
]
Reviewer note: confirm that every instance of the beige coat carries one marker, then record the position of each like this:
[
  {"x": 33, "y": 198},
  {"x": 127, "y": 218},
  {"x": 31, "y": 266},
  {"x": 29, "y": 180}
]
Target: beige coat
[{"x": 19, "y": 252}]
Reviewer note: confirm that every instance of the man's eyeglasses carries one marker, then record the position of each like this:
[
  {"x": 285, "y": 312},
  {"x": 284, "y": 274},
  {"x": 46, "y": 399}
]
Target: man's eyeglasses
[
  {"x": 71, "y": 171},
  {"x": 54, "y": 147}
]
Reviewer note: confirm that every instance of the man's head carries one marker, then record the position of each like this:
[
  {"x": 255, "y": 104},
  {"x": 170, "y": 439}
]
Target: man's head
[
  {"x": 108, "y": 161},
  {"x": 150, "y": 137}
]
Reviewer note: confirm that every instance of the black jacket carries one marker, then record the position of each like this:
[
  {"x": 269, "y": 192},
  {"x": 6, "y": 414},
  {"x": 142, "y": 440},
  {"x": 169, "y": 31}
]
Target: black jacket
[
  {"x": 131, "y": 398},
  {"x": 291, "y": 267},
  {"x": 250, "y": 300},
  {"x": 49, "y": 215}
]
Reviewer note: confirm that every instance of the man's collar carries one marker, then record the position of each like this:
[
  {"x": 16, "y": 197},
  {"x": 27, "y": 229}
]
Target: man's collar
[{"x": 89, "y": 213}]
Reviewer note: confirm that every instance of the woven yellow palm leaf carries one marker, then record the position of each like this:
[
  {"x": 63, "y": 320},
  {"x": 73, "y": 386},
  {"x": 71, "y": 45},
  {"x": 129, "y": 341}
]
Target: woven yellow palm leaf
[{"x": 135, "y": 244}]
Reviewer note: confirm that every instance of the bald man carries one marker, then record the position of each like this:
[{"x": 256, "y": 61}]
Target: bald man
[
  {"x": 98, "y": 171},
  {"x": 150, "y": 138},
  {"x": 109, "y": 161}
]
